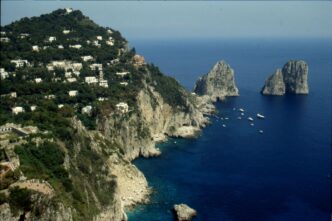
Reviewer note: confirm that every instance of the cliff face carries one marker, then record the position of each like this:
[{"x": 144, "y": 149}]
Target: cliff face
[
  {"x": 218, "y": 83},
  {"x": 154, "y": 120},
  {"x": 293, "y": 78}
]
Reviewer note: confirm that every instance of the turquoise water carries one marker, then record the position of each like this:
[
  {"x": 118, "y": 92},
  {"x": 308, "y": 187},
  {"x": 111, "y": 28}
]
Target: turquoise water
[{"x": 234, "y": 173}]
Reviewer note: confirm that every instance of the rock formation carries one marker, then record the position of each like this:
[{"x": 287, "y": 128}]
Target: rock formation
[
  {"x": 184, "y": 212},
  {"x": 218, "y": 83},
  {"x": 293, "y": 78}
]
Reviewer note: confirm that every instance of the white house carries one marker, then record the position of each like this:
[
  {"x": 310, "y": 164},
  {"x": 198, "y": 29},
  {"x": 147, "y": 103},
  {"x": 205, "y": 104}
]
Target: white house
[
  {"x": 91, "y": 80},
  {"x": 60, "y": 106},
  {"x": 3, "y": 33},
  {"x": 4, "y": 39},
  {"x": 124, "y": 83},
  {"x": 122, "y": 107},
  {"x": 78, "y": 46},
  {"x": 71, "y": 80},
  {"x": 24, "y": 35},
  {"x": 46, "y": 47},
  {"x": 87, "y": 58},
  {"x": 17, "y": 110},
  {"x": 100, "y": 38},
  {"x": 4, "y": 74},
  {"x": 110, "y": 43},
  {"x": 38, "y": 80},
  {"x": 13, "y": 94},
  {"x": 51, "y": 39},
  {"x": 122, "y": 74},
  {"x": 33, "y": 107},
  {"x": 96, "y": 43},
  {"x": 20, "y": 63},
  {"x": 87, "y": 110},
  {"x": 60, "y": 47},
  {"x": 68, "y": 10},
  {"x": 50, "y": 96},
  {"x": 96, "y": 67},
  {"x": 66, "y": 32},
  {"x": 68, "y": 74},
  {"x": 109, "y": 31},
  {"x": 35, "y": 48},
  {"x": 102, "y": 98},
  {"x": 77, "y": 66},
  {"x": 103, "y": 83},
  {"x": 73, "y": 93},
  {"x": 77, "y": 73}
]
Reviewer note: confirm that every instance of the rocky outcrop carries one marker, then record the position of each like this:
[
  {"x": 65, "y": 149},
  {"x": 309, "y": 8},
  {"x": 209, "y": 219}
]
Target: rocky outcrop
[
  {"x": 184, "y": 212},
  {"x": 293, "y": 78},
  {"x": 275, "y": 84},
  {"x": 218, "y": 83}
]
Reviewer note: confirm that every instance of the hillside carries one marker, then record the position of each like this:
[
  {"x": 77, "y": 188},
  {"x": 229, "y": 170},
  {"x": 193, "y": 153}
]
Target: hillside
[{"x": 77, "y": 105}]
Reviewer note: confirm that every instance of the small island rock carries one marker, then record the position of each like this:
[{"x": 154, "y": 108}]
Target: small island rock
[
  {"x": 184, "y": 212},
  {"x": 293, "y": 78},
  {"x": 218, "y": 83}
]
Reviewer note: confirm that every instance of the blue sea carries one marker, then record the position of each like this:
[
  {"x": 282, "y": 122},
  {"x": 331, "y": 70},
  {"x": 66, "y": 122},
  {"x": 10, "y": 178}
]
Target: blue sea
[{"x": 235, "y": 173}]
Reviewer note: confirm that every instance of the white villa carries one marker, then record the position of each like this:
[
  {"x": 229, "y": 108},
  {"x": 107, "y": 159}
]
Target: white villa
[
  {"x": 103, "y": 83},
  {"x": 4, "y": 39},
  {"x": 87, "y": 58},
  {"x": 96, "y": 67},
  {"x": 13, "y": 94},
  {"x": 122, "y": 74},
  {"x": 20, "y": 63},
  {"x": 66, "y": 32},
  {"x": 38, "y": 80},
  {"x": 109, "y": 31},
  {"x": 24, "y": 35},
  {"x": 124, "y": 83},
  {"x": 60, "y": 106},
  {"x": 71, "y": 80},
  {"x": 73, "y": 93},
  {"x": 4, "y": 74},
  {"x": 60, "y": 47},
  {"x": 69, "y": 10},
  {"x": 87, "y": 110},
  {"x": 100, "y": 38},
  {"x": 68, "y": 74},
  {"x": 35, "y": 48},
  {"x": 51, "y": 39},
  {"x": 17, "y": 110},
  {"x": 78, "y": 46},
  {"x": 102, "y": 98},
  {"x": 33, "y": 107},
  {"x": 50, "y": 96},
  {"x": 91, "y": 80},
  {"x": 110, "y": 43},
  {"x": 122, "y": 107},
  {"x": 96, "y": 43}
]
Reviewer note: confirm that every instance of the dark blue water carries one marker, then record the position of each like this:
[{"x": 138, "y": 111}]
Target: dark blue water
[{"x": 235, "y": 173}]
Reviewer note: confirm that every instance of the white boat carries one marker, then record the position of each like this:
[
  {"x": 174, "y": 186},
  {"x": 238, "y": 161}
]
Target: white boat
[
  {"x": 224, "y": 125},
  {"x": 241, "y": 109},
  {"x": 234, "y": 108},
  {"x": 250, "y": 119},
  {"x": 239, "y": 118},
  {"x": 260, "y": 116},
  {"x": 261, "y": 131},
  {"x": 226, "y": 118},
  {"x": 252, "y": 124},
  {"x": 242, "y": 114}
]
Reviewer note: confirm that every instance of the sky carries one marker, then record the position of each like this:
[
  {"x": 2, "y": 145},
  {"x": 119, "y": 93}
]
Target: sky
[{"x": 192, "y": 19}]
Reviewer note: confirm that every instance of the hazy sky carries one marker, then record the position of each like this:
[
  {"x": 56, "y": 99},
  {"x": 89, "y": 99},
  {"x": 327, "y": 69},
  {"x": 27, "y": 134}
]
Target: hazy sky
[{"x": 185, "y": 19}]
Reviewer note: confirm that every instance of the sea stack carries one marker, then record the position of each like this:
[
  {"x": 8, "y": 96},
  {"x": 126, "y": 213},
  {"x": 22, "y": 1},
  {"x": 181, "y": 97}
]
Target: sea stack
[
  {"x": 292, "y": 79},
  {"x": 218, "y": 83},
  {"x": 184, "y": 212}
]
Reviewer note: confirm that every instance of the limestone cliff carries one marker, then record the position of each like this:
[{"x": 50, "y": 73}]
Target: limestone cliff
[
  {"x": 218, "y": 83},
  {"x": 293, "y": 78}
]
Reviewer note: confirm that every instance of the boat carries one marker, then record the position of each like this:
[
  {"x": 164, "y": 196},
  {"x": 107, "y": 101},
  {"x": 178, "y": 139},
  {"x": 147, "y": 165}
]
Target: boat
[
  {"x": 241, "y": 109},
  {"x": 260, "y": 116},
  {"x": 224, "y": 125},
  {"x": 261, "y": 131},
  {"x": 250, "y": 119},
  {"x": 226, "y": 118},
  {"x": 239, "y": 118},
  {"x": 252, "y": 124},
  {"x": 234, "y": 108},
  {"x": 242, "y": 114}
]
